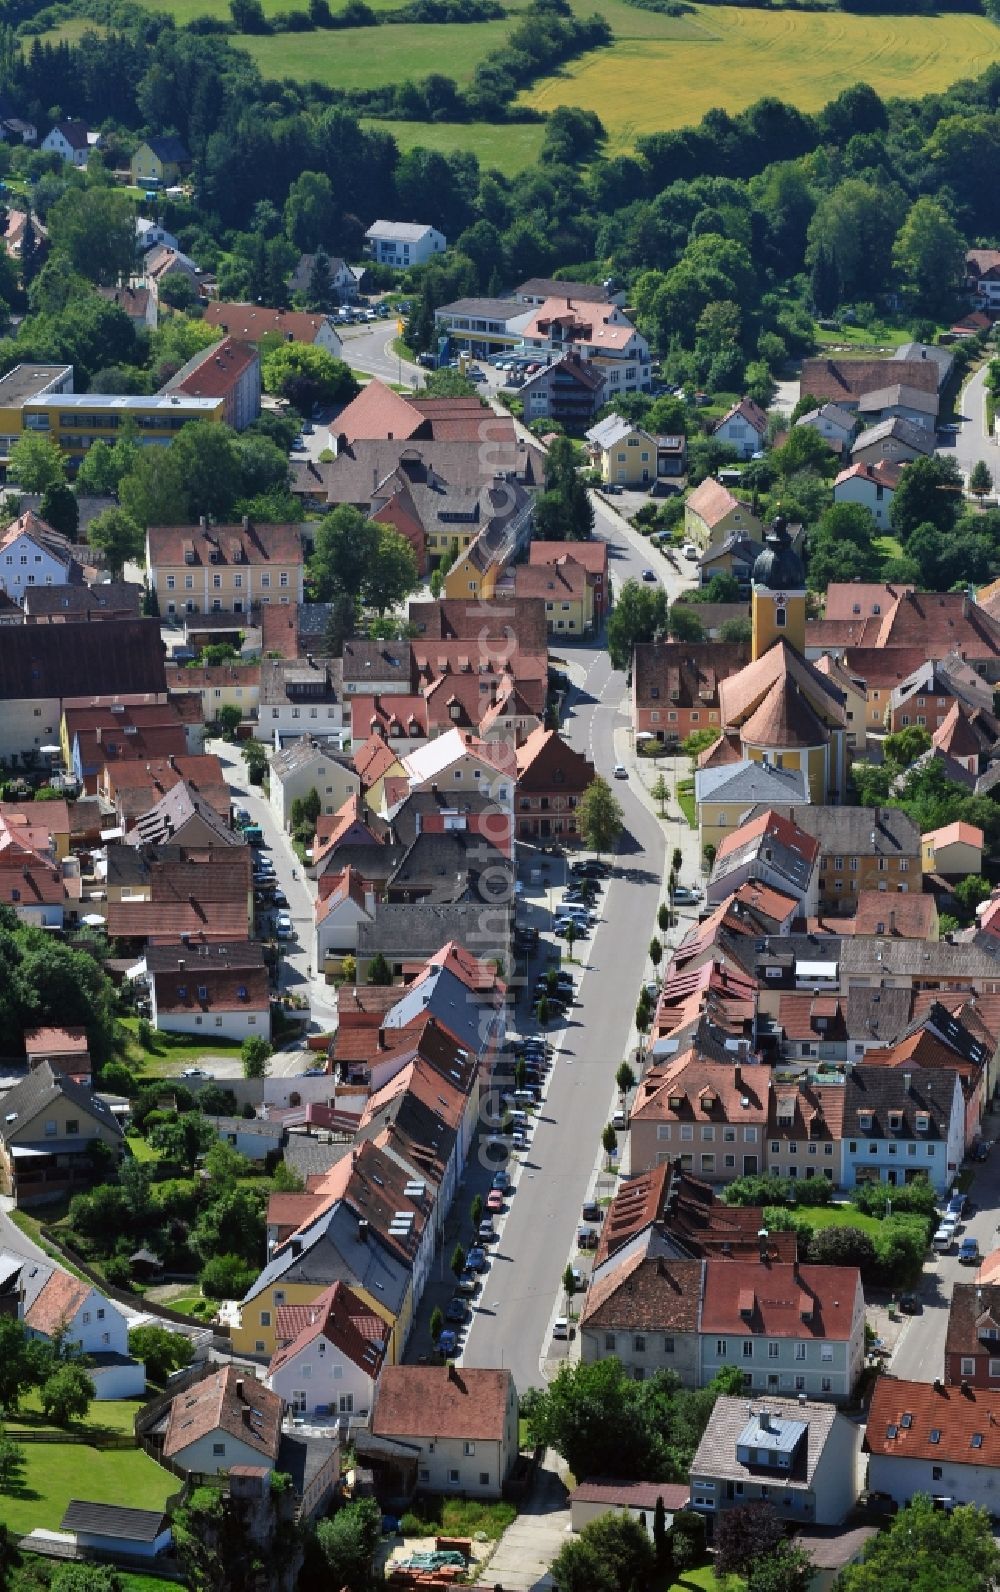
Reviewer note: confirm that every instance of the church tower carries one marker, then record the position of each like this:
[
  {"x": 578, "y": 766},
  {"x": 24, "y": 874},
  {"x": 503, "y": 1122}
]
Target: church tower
[{"x": 778, "y": 601}]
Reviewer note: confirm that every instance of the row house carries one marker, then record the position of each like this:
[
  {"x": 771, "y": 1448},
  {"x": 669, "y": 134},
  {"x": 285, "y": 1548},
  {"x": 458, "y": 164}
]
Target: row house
[
  {"x": 205, "y": 989},
  {"x": 929, "y": 624},
  {"x": 675, "y": 685},
  {"x": 972, "y": 1342},
  {"x": 791, "y": 1329},
  {"x": 551, "y": 781},
  {"x": 709, "y": 1116}
]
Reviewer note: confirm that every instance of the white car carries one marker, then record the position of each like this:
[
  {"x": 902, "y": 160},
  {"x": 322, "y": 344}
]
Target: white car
[
  {"x": 620, "y": 771},
  {"x": 283, "y": 926},
  {"x": 689, "y": 550},
  {"x": 561, "y": 1327}
]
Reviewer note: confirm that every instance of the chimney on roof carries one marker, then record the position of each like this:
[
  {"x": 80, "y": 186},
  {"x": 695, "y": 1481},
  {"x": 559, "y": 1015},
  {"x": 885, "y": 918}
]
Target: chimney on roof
[
  {"x": 239, "y": 1388},
  {"x": 181, "y": 964},
  {"x": 737, "y": 1075},
  {"x": 938, "y": 1385},
  {"x": 907, "y": 1081},
  {"x": 892, "y": 920},
  {"x": 203, "y": 521}
]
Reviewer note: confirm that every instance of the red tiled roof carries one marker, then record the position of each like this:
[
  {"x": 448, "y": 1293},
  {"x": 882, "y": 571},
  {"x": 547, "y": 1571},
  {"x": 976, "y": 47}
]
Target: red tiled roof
[
  {"x": 220, "y": 371},
  {"x": 251, "y": 322},
  {"x": 712, "y": 501},
  {"x": 250, "y": 545},
  {"x": 849, "y": 378},
  {"x": 229, "y": 1401},
  {"x": 784, "y": 830},
  {"x": 688, "y": 1088},
  {"x": 377, "y": 412},
  {"x": 911, "y": 916},
  {"x": 632, "y": 1494},
  {"x": 593, "y": 555},
  {"x": 55, "y": 1041},
  {"x": 442, "y": 1402},
  {"x": 903, "y": 1416},
  {"x": 779, "y": 1300},
  {"x": 57, "y": 1303},
  {"x": 344, "y": 1320}
]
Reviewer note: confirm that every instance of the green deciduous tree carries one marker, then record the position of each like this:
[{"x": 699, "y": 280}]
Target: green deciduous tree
[
  {"x": 36, "y": 463},
  {"x": 929, "y": 254},
  {"x": 618, "y": 1556},
  {"x": 21, "y": 1364},
  {"x": 348, "y": 1542},
  {"x": 227, "y": 1276},
  {"x": 929, "y": 493},
  {"x": 307, "y": 375},
  {"x": 94, "y": 228},
  {"x": 184, "y": 1139},
  {"x": 639, "y": 614},
  {"x": 379, "y": 971},
  {"x": 924, "y": 1549},
  {"x": 118, "y": 537},
  {"x": 254, "y": 1053},
  {"x": 60, "y": 510},
  {"x": 683, "y": 623},
  {"x": 599, "y": 816},
  {"x": 980, "y": 479},
  {"x": 309, "y": 211},
  {"x": 160, "y": 1351},
  {"x": 65, "y": 1395}
]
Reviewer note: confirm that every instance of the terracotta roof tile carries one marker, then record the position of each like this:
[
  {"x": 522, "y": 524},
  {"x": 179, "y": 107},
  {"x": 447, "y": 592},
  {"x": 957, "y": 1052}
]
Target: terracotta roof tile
[
  {"x": 57, "y": 1303},
  {"x": 442, "y": 1401},
  {"x": 227, "y": 1401},
  {"x": 904, "y": 1417},
  {"x": 785, "y": 1301}
]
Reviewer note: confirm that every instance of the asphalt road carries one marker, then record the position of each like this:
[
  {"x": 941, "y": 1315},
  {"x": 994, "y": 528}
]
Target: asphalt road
[
  {"x": 521, "y": 1292},
  {"x": 919, "y": 1355},
  {"x": 368, "y": 350},
  {"x": 972, "y": 441},
  {"x": 297, "y": 973}
]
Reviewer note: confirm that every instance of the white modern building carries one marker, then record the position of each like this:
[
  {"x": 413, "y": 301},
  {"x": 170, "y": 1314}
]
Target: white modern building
[{"x": 404, "y": 243}]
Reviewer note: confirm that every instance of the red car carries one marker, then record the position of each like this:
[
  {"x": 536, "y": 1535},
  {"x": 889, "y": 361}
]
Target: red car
[{"x": 494, "y": 1200}]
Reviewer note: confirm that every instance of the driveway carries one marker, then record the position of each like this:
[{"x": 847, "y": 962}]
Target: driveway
[{"x": 527, "y": 1548}]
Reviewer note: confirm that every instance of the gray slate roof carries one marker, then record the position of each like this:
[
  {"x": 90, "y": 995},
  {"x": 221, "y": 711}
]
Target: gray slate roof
[
  {"x": 716, "y": 1455},
  {"x": 413, "y": 932},
  {"x": 29, "y": 1098},
  {"x": 113, "y": 1520},
  {"x": 867, "y": 954},
  {"x": 855, "y": 831},
  {"x": 920, "y": 438},
  {"x": 747, "y": 784}
]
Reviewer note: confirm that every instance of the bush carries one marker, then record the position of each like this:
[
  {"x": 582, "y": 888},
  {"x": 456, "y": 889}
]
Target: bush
[
  {"x": 144, "y": 1033},
  {"x": 686, "y": 1538},
  {"x": 412, "y": 1526},
  {"x": 916, "y": 1198},
  {"x": 226, "y": 1277}
]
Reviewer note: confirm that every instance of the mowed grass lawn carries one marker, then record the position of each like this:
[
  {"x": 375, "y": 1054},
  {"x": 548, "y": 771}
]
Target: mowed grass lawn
[
  {"x": 664, "y": 72},
  {"x": 837, "y": 1216},
  {"x": 54, "y": 1473},
  {"x": 370, "y": 57},
  {"x": 507, "y": 149},
  {"x": 170, "y": 1053}
]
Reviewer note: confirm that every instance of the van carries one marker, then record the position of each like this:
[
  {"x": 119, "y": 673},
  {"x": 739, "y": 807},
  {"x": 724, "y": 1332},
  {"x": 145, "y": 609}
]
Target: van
[
  {"x": 619, "y": 1121},
  {"x": 943, "y": 1240}
]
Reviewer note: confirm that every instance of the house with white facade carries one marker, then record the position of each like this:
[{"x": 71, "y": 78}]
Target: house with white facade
[
  {"x": 799, "y": 1456},
  {"x": 309, "y": 764},
  {"x": 254, "y": 1137},
  {"x": 72, "y": 1310},
  {"x": 218, "y": 990},
  {"x": 349, "y": 903},
  {"x": 834, "y": 424},
  {"x": 925, "y": 1437},
  {"x": 301, "y": 696},
  {"x": 453, "y": 1429},
  {"x": 871, "y": 485},
  {"x": 743, "y": 428},
  {"x": 33, "y": 554},
  {"x": 329, "y": 1356},
  {"x": 71, "y": 141},
  {"x": 227, "y": 1419},
  {"x": 901, "y": 1124},
  {"x": 404, "y": 243}
]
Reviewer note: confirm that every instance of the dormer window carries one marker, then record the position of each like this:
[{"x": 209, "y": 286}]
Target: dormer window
[
  {"x": 865, "y": 1120},
  {"x": 923, "y": 1121},
  {"x": 676, "y": 1101},
  {"x": 895, "y": 1120}
]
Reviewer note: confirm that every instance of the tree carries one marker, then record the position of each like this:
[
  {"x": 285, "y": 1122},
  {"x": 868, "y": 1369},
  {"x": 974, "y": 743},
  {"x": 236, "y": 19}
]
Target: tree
[
  {"x": 578, "y": 1567},
  {"x": 228, "y": 718},
  {"x": 184, "y": 1139},
  {"x": 624, "y": 1078},
  {"x": 929, "y": 493},
  {"x": 457, "y": 1262},
  {"x": 655, "y": 951},
  {"x": 59, "y": 509},
  {"x": 929, "y": 254},
  {"x": 903, "y": 747},
  {"x": 226, "y": 1277},
  {"x": 20, "y": 1366},
  {"x": 11, "y": 1465},
  {"x": 568, "y": 1284},
  {"x": 36, "y": 463},
  {"x": 379, "y": 971},
  {"x": 349, "y": 1541},
  {"x": 687, "y": 1540},
  {"x": 160, "y": 1351},
  {"x": 660, "y": 792},
  {"x": 639, "y": 614},
  {"x": 787, "y": 1569},
  {"x": 319, "y": 290},
  {"x": 97, "y": 475},
  {"x": 970, "y": 892},
  {"x": 476, "y": 1210},
  {"x": 255, "y": 758},
  {"x": 663, "y": 918},
  {"x": 744, "y": 1534},
  {"x": 661, "y": 1543},
  {"x": 232, "y": 1224},
  {"x": 392, "y": 574},
  {"x": 683, "y": 623},
  {"x": 307, "y": 376},
  {"x": 699, "y": 741},
  {"x": 599, "y": 816},
  {"x": 309, "y": 211},
  {"x": 617, "y": 1555},
  {"x": 569, "y": 935},
  {"x": 737, "y": 632},
  {"x": 343, "y": 550},
  {"x": 118, "y": 537},
  {"x": 924, "y": 1549},
  {"x": 66, "y": 1394},
  {"x": 541, "y": 1011},
  {"x": 254, "y": 1053},
  {"x": 980, "y": 479},
  {"x": 609, "y": 1140},
  {"x": 94, "y": 228},
  {"x": 436, "y": 1323}
]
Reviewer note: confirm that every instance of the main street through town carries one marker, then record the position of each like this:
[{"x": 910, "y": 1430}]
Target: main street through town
[{"x": 520, "y": 1293}]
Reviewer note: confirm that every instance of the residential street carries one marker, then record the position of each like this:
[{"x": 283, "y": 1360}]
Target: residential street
[
  {"x": 972, "y": 441},
  {"x": 296, "y": 969},
  {"x": 368, "y": 350},
  {"x": 920, "y": 1354}
]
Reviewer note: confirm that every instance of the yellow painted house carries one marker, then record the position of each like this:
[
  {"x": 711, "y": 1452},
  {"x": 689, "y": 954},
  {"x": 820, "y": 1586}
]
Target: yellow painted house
[
  {"x": 158, "y": 160},
  {"x": 712, "y": 513},
  {"x": 623, "y": 452},
  {"x": 474, "y": 574}
]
